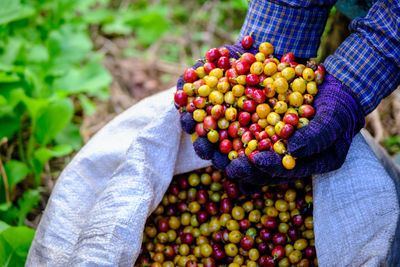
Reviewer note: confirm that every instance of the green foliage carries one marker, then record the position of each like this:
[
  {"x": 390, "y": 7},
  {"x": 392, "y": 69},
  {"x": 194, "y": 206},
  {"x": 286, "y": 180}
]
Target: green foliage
[
  {"x": 50, "y": 72},
  {"x": 14, "y": 244},
  {"x": 392, "y": 144},
  {"x": 47, "y": 69}
]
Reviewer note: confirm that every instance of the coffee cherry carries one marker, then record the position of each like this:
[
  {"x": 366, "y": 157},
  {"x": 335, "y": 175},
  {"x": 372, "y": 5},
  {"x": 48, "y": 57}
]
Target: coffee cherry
[
  {"x": 288, "y": 162},
  {"x": 281, "y": 85},
  {"x": 247, "y": 42},
  {"x": 180, "y": 98},
  {"x": 288, "y": 73},
  {"x": 270, "y": 68},
  {"x": 212, "y": 54},
  {"x": 231, "y": 114},
  {"x": 252, "y": 79},
  {"x": 308, "y": 74},
  {"x": 224, "y": 52},
  {"x": 296, "y": 99},
  {"x": 306, "y": 111},
  {"x": 288, "y": 57},
  {"x": 223, "y": 62},
  {"x": 266, "y": 48},
  {"x": 225, "y": 146},
  {"x": 260, "y": 57},
  {"x": 242, "y": 67},
  {"x": 257, "y": 68},
  {"x": 190, "y": 75}
]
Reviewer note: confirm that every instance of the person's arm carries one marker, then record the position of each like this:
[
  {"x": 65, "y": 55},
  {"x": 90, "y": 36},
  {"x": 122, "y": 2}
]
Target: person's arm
[
  {"x": 364, "y": 69},
  {"x": 368, "y": 61},
  {"x": 290, "y": 25}
]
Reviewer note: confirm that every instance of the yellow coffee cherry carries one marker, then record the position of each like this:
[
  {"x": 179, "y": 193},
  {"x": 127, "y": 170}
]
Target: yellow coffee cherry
[
  {"x": 296, "y": 99},
  {"x": 223, "y": 87},
  {"x": 211, "y": 81},
  {"x": 200, "y": 72},
  {"x": 308, "y": 74},
  {"x": 241, "y": 79},
  {"x": 270, "y": 68},
  {"x": 299, "y": 85},
  {"x": 189, "y": 89},
  {"x": 280, "y": 107},
  {"x": 217, "y": 72},
  {"x": 199, "y": 115},
  {"x": 232, "y": 155},
  {"x": 238, "y": 90},
  {"x": 281, "y": 85},
  {"x": 252, "y": 145},
  {"x": 257, "y": 68},
  {"x": 216, "y": 98},
  {"x": 312, "y": 88},
  {"x": 263, "y": 110},
  {"x": 288, "y": 73},
  {"x": 266, "y": 48},
  {"x": 229, "y": 98},
  {"x": 204, "y": 90},
  {"x": 260, "y": 57}
]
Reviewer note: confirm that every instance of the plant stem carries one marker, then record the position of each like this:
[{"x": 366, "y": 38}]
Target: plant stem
[
  {"x": 5, "y": 181},
  {"x": 21, "y": 146}
]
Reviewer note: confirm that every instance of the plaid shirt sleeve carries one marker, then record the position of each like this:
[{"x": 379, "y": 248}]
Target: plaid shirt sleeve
[
  {"x": 290, "y": 25},
  {"x": 368, "y": 61}
]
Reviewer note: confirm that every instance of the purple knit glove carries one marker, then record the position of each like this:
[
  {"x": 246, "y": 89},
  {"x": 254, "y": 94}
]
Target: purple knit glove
[
  {"x": 188, "y": 124},
  {"x": 320, "y": 147}
]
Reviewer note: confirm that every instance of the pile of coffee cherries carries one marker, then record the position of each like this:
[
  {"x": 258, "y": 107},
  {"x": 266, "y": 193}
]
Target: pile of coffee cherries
[
  {"x": 250, "y": 104},
  {"x": 204, "y": 220}
]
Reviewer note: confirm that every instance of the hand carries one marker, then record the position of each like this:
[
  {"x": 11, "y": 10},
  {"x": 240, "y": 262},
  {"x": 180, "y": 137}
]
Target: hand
[{"x": 320, "y": 147}]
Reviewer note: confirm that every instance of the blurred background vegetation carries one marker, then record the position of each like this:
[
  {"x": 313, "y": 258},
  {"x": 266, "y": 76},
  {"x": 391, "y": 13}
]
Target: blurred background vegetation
[{"x": 67, "y": 67}]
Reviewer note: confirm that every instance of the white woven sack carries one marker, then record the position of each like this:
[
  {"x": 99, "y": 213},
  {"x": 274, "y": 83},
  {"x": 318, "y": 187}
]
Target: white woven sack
[{"x": 98, "y": 208}]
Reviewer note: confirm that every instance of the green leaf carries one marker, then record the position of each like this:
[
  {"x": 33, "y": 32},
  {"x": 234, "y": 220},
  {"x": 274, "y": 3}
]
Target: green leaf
[
  {"x": 90, "y": 79},
  {"x": 34, "y": 106},
  {"x": 16, "y": 171},
  {"x": 44, "y": 154},
  {"x": 101, "y": 15},
  {"x": 53, "y": 119},
  {"x": 9, "y": 126},
  {"x": 40, "y": 157},
  {"x": 29, "y": 200},
  {"x": 70, "y": 135},
  {"x": 11, "y": 10},
  {"x": 68, "y": 45},
  {"x": 392, "y": 144},
  {"x": 240, "y": 4},
  {"x": 14, "y": 245},
  {"x": 5, "y": 206},
  {"x": 60, "y": 150},
  {"x": 3, "y": 226},
  {"x": 37, "y": 53},
  {"x": 88, "y": 106},
  {"x": 118, "y": 27},
  {"x": 12, "y": 49},
  {"x": 150, "y": 24},
  {"x": 8, "y": 77}
]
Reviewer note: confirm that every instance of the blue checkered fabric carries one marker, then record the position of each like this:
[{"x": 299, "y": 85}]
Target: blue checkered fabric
[
  {"x": 368, "y": 62},
  {"x": 290, "y": 25}
]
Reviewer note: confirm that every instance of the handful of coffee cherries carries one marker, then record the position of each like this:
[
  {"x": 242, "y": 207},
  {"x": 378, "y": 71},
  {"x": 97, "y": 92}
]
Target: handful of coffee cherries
[{"x": 250, "y": 104}]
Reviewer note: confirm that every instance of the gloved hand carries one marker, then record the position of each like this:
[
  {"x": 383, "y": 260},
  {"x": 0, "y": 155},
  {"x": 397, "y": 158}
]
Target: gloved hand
[{"x": 320, "y": 147}]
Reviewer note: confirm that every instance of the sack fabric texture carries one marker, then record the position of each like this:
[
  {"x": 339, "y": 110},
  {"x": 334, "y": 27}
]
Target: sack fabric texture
[{"x": 98, "y": 208}]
